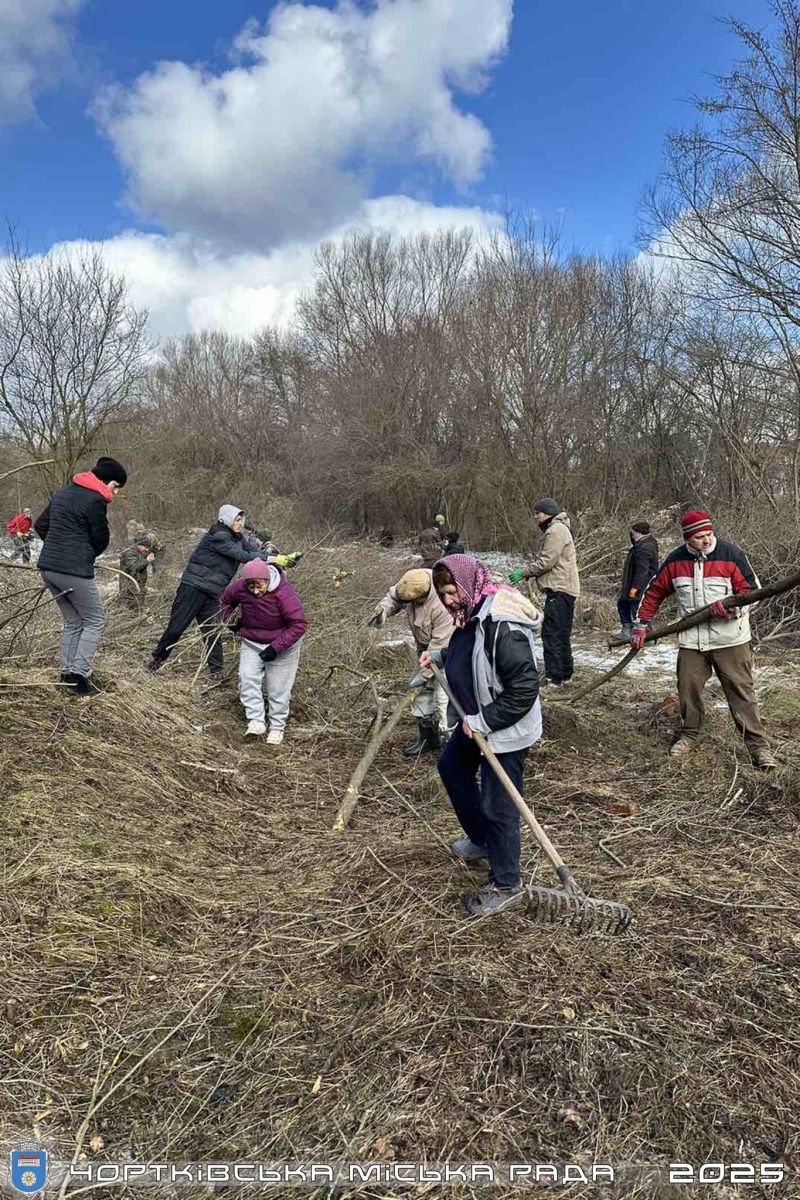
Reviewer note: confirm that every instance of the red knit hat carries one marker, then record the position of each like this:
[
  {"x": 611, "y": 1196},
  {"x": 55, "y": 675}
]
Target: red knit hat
[{"x": 696, "y": 522}]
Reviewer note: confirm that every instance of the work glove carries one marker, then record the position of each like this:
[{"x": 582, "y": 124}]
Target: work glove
[
  {"x": 633, "y": 593},
  {"x": 516, "y": 576},
  {"x": 288, "y": 560},
  {"x": 638, "y": 635},
  {"x": 268, "y": 654},
  {"x": 719, "y": 612},
  {"x": 378, "y": 619}
]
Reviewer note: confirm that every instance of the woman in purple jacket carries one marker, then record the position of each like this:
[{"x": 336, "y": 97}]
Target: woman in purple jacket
[{"x": 272, "y": 624}]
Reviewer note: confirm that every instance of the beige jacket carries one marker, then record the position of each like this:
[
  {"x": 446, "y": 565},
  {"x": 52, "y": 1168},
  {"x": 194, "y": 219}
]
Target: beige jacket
[
  {"x": 556, "y": 566},
  {"x": 428, "y": 619}
]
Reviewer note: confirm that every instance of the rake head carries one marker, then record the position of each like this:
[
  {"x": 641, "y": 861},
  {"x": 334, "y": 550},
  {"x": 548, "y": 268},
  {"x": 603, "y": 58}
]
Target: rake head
[{"x": 584, "y": 914}]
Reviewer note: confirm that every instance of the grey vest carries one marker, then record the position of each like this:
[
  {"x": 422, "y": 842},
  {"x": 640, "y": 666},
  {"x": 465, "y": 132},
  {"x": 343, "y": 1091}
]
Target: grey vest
[{"x": 488, "y": 686}]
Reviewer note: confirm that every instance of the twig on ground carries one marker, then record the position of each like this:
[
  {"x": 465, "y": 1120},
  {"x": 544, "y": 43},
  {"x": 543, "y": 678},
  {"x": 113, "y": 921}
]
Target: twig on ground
[{"x": 378, "y": 736}]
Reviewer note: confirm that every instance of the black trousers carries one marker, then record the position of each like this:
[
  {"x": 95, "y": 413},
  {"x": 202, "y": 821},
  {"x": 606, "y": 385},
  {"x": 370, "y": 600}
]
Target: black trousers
[
  {"x": 559, "y": 611},
  {"x": 627, "y": 610},
  {"x": 190, "y": 604},
  {"x": 487, "y": 815}
]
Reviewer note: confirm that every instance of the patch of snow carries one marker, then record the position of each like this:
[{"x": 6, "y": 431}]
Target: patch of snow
[
  {"x": 403, "y": 640},
  {"x": 500, "y": 561},
  {"x": 658, "y": 659},
  {"x": 9, "y": 549}
]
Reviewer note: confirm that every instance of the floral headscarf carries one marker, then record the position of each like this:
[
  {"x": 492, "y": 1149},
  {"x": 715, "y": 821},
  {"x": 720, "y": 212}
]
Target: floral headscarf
[{"x": 474, "y": 583}]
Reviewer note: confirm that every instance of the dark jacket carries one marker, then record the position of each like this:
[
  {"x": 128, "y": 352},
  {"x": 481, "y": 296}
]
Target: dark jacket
[
  {"x": 430, "y": 545},
  {"x": 505, "y": 681},
  {"x": 275, "y": 619},
  {"x": 453, "y": 548},
  {"x": 216, "y": 559},
  {"x": 74, "y": 529},
  {"x": 641, "y": 565}
]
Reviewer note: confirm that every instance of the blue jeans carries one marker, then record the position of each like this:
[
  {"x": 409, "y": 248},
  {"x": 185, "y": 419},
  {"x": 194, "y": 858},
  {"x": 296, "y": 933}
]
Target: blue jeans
[{"x": 486, "y": 813}]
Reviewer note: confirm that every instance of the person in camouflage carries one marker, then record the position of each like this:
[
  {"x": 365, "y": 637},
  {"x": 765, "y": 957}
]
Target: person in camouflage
[{"x": 133, "y": 561}]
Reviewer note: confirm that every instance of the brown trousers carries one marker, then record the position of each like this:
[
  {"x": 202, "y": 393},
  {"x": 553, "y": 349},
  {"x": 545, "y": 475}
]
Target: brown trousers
[{"x": 733, "y": 667}]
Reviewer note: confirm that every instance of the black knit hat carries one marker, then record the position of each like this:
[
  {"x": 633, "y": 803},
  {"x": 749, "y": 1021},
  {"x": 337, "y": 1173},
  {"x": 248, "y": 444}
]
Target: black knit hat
[
  {"x": 547, "y": 505},
  {"x": 108, "y": 470},
  {"x": 641, "y": 526}
]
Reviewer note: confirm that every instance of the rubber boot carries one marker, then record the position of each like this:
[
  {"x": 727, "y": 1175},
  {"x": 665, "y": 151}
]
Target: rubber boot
[{"x": 428, "y": 738}]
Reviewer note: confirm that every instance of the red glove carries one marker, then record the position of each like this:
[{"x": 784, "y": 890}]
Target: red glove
[
  {"x": 720, "y": 613},
  {"x": 638, "y": 634}
]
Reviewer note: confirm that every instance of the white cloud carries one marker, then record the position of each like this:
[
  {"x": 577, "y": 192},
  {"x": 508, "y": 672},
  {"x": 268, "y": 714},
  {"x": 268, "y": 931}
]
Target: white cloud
[
  {"x": 34, "y": 46},
  {"x": 280, "y": 146},
  {"x": 189, "y": 285}
]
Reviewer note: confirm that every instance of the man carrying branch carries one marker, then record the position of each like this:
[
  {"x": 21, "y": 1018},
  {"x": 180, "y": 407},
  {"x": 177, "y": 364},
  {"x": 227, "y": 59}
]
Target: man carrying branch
[{"x": 703, "y": 571}]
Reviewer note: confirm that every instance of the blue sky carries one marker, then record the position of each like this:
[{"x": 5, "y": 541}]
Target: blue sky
[{"x": 574, "y": 114}]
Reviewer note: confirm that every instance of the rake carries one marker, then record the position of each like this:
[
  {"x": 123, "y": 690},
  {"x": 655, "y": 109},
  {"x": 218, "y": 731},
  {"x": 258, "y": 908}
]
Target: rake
[{"x": 567, "y": 904}]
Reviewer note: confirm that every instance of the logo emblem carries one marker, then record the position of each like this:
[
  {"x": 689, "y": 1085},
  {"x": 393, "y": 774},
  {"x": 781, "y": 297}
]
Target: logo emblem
[{"x": 28, "y": 1170}]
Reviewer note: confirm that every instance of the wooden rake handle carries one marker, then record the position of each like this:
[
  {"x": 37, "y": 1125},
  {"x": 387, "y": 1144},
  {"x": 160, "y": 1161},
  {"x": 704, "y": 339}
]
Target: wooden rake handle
[{"x": 562, "y": 870}]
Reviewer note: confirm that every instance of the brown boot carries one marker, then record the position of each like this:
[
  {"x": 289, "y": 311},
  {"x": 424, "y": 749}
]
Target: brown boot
[
  {"x": 764, "y": 759},
  {"x": 682, "y": 747}
]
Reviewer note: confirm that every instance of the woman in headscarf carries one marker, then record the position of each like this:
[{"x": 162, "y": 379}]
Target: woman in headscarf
[{"x": 490, "y": 666}]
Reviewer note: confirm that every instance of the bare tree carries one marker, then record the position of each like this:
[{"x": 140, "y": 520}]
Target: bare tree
[{"x": 72, "y": 353}]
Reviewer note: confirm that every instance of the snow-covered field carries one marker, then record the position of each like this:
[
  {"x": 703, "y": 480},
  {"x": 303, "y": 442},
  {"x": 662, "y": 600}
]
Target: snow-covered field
[{"x": 8, "y": 549}]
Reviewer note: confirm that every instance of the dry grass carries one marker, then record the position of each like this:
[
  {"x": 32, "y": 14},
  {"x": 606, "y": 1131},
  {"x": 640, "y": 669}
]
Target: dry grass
[{"x": 194, "y": 969}]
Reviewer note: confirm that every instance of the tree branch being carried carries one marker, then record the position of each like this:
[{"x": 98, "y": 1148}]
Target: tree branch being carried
[{"x": 753, "y": 596}]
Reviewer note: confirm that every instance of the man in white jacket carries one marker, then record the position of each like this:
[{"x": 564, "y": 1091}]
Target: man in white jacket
[{"x": 703, "y": 571}]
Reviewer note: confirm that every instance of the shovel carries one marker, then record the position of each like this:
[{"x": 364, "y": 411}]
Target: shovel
[{"x": 550, "y": 905}]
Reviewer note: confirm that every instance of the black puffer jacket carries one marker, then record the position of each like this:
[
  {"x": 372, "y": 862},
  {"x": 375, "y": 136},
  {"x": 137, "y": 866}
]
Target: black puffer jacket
[
  {"x": 640, "y": 566},
  {"x": 74, "y": 529},
  {"x": 216, "y": 558}
]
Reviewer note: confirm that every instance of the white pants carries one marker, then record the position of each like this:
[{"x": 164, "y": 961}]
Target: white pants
[
  {"x": 429, "y": 700},
  {"x": 279, "y": 676}
]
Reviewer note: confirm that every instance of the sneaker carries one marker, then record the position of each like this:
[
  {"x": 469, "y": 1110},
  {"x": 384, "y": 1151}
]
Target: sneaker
[
  {"x": 491, "y": 899},
  {"x": 217, "y": 675},
  {"x": 85, "y": 687},
  {"x": 154, "y": 665},
  {"x": 274, "y": 737},
  {"x": 764, "y": 759},
  {"x": 68, "y": 679},
  {"x": 467, "y": 851},
  {"x": 552, "y": 683},
  {"x": 255, "y": 729},
  {"x": 682, "y": 747}
]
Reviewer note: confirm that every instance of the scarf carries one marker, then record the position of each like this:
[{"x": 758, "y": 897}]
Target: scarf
[{"x": 474, "y": 583}]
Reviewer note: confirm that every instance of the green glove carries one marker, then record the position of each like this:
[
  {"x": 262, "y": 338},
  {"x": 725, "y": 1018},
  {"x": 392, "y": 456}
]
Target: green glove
[
  {"x": 516, "y": 576},
  {"x": 287, "y": 560}
]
